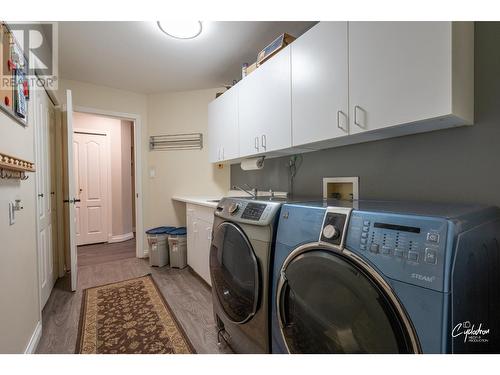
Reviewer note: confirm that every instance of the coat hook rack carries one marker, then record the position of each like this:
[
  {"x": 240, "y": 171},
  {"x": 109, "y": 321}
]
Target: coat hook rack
[{"x": 13, "y": 168}]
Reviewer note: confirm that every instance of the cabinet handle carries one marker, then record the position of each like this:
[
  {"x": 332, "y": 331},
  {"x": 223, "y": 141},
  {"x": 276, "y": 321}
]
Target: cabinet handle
[
  {"x": 338, "y": 120},
  {"x": 264, "y": 143},
  {"x": 257, "y": 143},
  {"x": 356, "y": 108},
  {"x": 218, "y": 154},
  {"x": 222, "y": 152}
]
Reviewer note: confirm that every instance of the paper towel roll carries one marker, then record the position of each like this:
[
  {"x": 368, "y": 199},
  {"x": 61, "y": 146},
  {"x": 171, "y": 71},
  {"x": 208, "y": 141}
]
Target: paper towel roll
[{"x": 252, "y": 164}]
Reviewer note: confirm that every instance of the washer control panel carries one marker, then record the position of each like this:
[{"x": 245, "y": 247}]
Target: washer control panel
[
  {"x": 403, "y": 247},
  {"x": 247, "y": 211},
  {"x": 334, "y": 226}
]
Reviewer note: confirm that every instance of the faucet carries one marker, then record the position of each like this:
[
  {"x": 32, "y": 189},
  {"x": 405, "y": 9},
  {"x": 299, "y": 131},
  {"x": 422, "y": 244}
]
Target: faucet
[{"x": 250, "y": 191}]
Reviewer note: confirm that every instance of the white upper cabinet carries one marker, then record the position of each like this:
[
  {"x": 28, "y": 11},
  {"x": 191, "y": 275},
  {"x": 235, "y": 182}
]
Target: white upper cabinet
[
  {"x": 320, "y": 84},
  {"x": 349, "y": 82},
  {"x": 405, "y": 72},
  {"x": 223, "y": 127},
  {"x": 265, "y": 107}
]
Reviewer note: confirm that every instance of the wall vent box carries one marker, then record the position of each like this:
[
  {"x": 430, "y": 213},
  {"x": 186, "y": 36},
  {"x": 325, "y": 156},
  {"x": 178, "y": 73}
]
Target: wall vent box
[{"x": 344, "y": 188}]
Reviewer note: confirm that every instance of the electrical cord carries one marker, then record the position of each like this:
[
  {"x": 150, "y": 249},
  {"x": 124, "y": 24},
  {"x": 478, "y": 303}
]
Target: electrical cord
[{"x": 293, "y": 166}]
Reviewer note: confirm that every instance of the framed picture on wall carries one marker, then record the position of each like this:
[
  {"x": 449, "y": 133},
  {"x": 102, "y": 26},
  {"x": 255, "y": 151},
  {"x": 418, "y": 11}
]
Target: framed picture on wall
[{"x": 14, "y": 87}]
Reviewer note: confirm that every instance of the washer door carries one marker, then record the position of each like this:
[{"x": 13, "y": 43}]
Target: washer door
[
  {"x": 327, "y": 304},
  {"x": 235, "y": 272}
]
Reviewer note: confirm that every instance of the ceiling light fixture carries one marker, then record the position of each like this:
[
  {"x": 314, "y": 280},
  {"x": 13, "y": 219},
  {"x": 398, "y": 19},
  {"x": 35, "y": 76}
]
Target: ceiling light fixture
[{"x": 181, "y": 29}]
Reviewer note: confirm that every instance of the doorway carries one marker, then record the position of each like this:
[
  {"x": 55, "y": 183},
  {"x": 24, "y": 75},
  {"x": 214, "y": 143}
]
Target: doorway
[{"x": 103, "y": 156}]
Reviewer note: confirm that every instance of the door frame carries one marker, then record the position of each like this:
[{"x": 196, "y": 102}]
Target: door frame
[
  {"x": 109, "y": 197},
  {"x": 137, "y": 131}
]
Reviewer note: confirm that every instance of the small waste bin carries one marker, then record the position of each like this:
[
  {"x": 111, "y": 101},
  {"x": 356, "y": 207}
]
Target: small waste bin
[
  {"x": 177, "y": 243},
  {"x": 158, "y": 245}
]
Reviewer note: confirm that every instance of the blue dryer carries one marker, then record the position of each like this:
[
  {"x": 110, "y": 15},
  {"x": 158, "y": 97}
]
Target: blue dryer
[{"x": 386, "y": 277}]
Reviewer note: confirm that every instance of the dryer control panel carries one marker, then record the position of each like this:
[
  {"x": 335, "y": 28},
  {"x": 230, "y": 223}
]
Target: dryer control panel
[
  {"x": 403, "y": 247},
  {"x": 248, "y": 211}
]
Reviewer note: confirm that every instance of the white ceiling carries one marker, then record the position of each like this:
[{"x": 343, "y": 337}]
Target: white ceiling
[{"x": 137, "y": 56}]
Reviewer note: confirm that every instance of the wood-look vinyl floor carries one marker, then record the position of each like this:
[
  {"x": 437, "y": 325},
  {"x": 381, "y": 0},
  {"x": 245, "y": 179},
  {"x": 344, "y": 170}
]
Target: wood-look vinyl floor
[
  {"x": 189, "y": 298},
  {"x": 105, "y": 252}
]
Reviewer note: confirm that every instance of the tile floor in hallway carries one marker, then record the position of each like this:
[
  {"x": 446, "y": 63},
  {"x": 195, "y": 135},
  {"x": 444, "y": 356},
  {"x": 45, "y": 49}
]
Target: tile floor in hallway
[{"x": 189, "y": 298}]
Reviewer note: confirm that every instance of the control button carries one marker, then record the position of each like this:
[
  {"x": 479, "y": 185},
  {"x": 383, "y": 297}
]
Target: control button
[
  {"x": 433, "y": 237},
  {"x": 386, "y": 250},
  {"x": 412, "y": 255},
  {"x": 364, "y": 235},
  {"x": 329, "y": 231},
  {"x": 365, "y": 229},
  {"x": 363, "y": 241},
  {"x": 399, "y": 253},
  {"x": 366, "y": 222},
  {"x": 430, "y": 256},
  {"x": 233, "y": 208},
  {"x": 363, "y": 247},
  {"x": 374, "y": 248}
]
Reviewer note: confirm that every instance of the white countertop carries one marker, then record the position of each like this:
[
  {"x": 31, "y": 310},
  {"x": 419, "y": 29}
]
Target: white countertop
[
  {"x": 200, "y": 201},
  {"x": 208, "y": 201}
]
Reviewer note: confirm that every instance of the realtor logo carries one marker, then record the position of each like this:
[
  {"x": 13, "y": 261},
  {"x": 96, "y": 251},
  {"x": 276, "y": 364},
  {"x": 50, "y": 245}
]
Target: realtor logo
[
  {"x": 471, "y": 332},
  {"x": 32, "y": 49}
]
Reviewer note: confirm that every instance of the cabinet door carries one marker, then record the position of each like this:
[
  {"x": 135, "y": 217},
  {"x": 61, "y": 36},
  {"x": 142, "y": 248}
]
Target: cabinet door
[
  {"x": 223, "y": 126},
  {"x": 399, "y": 72},
  {"x": 320, "y": 84},
  {"x": 265, "y": 107}
]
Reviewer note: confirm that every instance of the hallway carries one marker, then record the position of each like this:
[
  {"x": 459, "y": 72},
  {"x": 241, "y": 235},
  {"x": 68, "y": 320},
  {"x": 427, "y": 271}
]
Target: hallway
[
  {"x": 188, "y": 297},
  {"x": 90, "y": 255}
]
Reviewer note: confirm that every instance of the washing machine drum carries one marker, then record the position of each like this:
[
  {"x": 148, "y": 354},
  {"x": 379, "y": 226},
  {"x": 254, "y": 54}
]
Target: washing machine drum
[
  {"x": 327, "y": 304},
  {"x": 234, "y": 270}
]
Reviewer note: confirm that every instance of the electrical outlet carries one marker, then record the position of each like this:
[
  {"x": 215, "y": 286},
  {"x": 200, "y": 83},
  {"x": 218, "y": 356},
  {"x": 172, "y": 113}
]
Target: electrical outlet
[{"x": 12, "y": 213}]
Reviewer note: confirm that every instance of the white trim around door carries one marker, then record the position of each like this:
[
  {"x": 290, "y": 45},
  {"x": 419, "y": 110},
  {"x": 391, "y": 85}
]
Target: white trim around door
[{"x": 141, "y": 251}]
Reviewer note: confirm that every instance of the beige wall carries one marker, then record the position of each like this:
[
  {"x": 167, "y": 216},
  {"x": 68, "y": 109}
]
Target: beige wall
[
  {"x": 180, "y": 172},
  {"x": 19, "y": 301},
  {"x": 121, "y": 181}
]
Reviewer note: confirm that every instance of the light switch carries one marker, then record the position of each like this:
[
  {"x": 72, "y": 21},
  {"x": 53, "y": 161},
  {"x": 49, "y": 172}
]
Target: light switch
[
  {"x": 12, "y": 213},
  {"x": 152, "y": 173}
]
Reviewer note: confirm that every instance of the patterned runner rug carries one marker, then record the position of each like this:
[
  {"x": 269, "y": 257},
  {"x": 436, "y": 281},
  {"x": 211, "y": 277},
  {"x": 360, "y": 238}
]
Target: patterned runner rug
[{"x": 129, "y": 317}]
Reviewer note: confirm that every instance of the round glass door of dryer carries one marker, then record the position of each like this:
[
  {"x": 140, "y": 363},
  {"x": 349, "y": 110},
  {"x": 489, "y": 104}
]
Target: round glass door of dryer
[
  {"x": 234, "y": 270},
  {"x": 327, "y": 304}
]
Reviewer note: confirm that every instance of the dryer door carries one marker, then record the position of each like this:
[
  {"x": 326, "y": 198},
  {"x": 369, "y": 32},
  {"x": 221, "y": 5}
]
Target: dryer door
[
  {"x": 327, "y": 304},
  {"x": 235, "y": 272}
]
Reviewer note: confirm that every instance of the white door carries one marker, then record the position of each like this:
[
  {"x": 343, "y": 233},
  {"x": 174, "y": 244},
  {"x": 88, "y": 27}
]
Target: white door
[
  {"x": 223, "y": 126},
  {"x": 91, "y": 170},
  {"x": 44, "y": 128},
  {"x": 71, "y": 199},
  {"x": 399, "y": 72},
  {"x": 265, "y": 107},
  {"x": 320, "y": 84}
]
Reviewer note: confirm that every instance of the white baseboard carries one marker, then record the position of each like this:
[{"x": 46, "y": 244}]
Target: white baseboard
[
  {"x": 121, "y": 237},
  {"x": 35, "y": 339}
]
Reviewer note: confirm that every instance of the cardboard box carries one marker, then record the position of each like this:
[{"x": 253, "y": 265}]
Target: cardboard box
[
  {"x": 251, "y": 68},
  {"x": 274, "y": 47}
]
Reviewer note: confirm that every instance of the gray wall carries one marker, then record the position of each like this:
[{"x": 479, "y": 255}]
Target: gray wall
[{"x": 453, "y": 165}]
